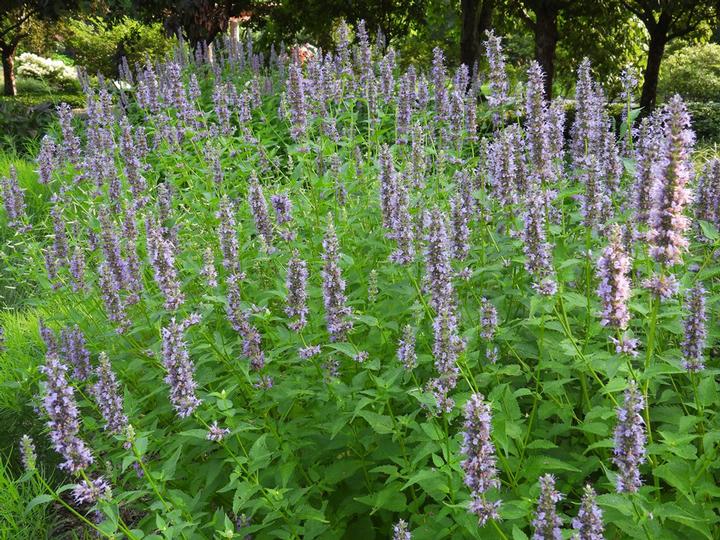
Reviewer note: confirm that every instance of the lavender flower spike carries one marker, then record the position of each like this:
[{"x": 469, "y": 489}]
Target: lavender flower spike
[
  {"x": 107, "y": 396},
  {"x": 670, "y": 195},
  {"x": 282, "y": 205},
  {"x": 75, "y": 351},
  {"x": 296, "y": 101},
  {"x": 27, "y": 452},
  {"x": 296, "y": 283},
  {"x": 161, "y": 252},
  {"x": 695, "y": 330},
  {"x": 208, "y": 270},
  {"x": 336, "y": 312},
  {"x": 259, "y": 209},
  {"x": 547, "y": 523},
  {"x": 488, "y": 319},
  {"x": 179, "y": 366},
  {"x": 630, "y": 440},
  {"x": 406, "y": 348},
  {"x": 401, "y": 531},
  {"x": 538, "y": 256},
  {"x": 613, "y": 269},
  {"x": 438, "y": 272},
  {"x": 227, "y": 234},
  {"x": 13, "y": 200},
  {"x": 63, "y": 416},
  {"x": 499, "y": 85},
  {"x": 92, "y": 492},
  {"x": 240, "y": 322},
  {"x": 589, "y": 523},
  {"x": 480, "y": 471}
]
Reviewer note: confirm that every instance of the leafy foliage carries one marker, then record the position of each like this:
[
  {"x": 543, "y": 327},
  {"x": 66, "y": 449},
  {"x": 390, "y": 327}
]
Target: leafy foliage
[
  {"x": 98, "y": 45},
  {"x": 693, "y": 72}
]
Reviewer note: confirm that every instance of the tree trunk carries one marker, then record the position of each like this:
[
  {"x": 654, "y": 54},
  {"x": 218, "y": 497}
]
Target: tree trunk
[
  {"x": 484, "y": 20},
  {"x": 656, "y": 49},
  {"x": 468, "y": 35},
  {"x": 546, "y": 38},
  {"x": 476, "y": 19},
  {"x": 8, "y": 63}
]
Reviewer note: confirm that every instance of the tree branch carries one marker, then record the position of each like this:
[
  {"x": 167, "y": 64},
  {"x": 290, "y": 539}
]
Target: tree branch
[
  {"x": 18, "y": 24},
  {"x": 641, "y": 14},
  {"x": 526, "y": 18}
]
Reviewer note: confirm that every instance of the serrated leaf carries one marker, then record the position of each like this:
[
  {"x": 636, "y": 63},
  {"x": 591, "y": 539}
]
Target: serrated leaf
[{"x": 380, "y": 423}]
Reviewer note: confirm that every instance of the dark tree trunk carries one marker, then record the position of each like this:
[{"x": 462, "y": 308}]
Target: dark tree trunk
[
  {"x": 656, "y": 49},
  {"x": 546, "y": 38},
  {"x": 476, "y": 19},
  {"x": 8, "y": 64},
  {"x": 468, "y": 35}
]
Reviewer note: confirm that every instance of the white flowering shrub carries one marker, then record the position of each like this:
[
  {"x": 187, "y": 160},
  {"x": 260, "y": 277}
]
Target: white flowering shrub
[{"x": 44, "y": 69}]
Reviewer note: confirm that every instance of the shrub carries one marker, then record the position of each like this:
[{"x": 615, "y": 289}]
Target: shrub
[
  {"x": 47, "y": 70},
  {"x": 99, "y": 45},
  {"x": 706, "y": 120},
  {"x": 693, "y": 72}
]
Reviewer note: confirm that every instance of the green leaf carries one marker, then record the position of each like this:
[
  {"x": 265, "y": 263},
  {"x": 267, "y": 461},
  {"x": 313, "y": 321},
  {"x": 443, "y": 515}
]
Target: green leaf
[
  {"x": 40, "y": 499},
  {"x": 707, "y": 391},
  {"x": 540, "y": 444},
  {"x": 677, "y": 514},
  {"x": 346, "y": 348},
  {"x": 709, "y": 231},
  {"x": 380, "y": 423},
  {"x": 433, "y": 482},
  {"x": 677, "y": 474},
  {"x": 168, "y": 470},
  {"x": 260, "y": 454},
  {"x": 390, "y": 498}
]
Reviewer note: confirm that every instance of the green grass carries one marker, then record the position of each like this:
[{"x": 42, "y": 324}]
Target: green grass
[
  {"x": 19, "y": 376},
  {"x": 18, "y": 383},
  {"x": 16, "y": 522},
  {"x": 14, "y": 287}
]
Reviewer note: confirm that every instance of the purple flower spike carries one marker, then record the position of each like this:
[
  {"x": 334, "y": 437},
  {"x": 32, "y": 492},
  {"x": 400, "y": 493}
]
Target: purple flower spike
[
  {"x": 630, "y": 440},
  {"x": 401, "y": 531},
  {"x": 695, "y": 330},
  {"x": 63, "y": 416},
  {"x": 296, "y": 284},
  {"x": 613, "y": 269},
  {"x": 670, "y": 194},
  {"x": 589, "y": 522},
  {"x": 107, "y": 396},
  {"x": 547, "y": 522},
  {"x": 179, "y": 366},
  {"x": 337, "y": 313},
  {"x": 479, "y": 465}
]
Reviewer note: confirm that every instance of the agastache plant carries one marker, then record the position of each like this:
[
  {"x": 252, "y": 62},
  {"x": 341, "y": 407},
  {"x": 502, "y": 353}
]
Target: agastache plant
[
  {"x": 613, "y": 270},
  {"x": 198, "y": 183},
  {"x": 695, "y": 329},
  {"x": 479, "y": 464},
  {"x": 63, "y": 416},
  {"x": 337, "y": 313},
  {"x": 106, "y": 392},
  {"x": 296, "y": 284},
  {"x": 179, "y": 366},
  {"x": 630, "y": 436},
  {"x": 589, "y": 521},
  {"x": 547, "y": 522},
  {"x": 670, "y": 194}
]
